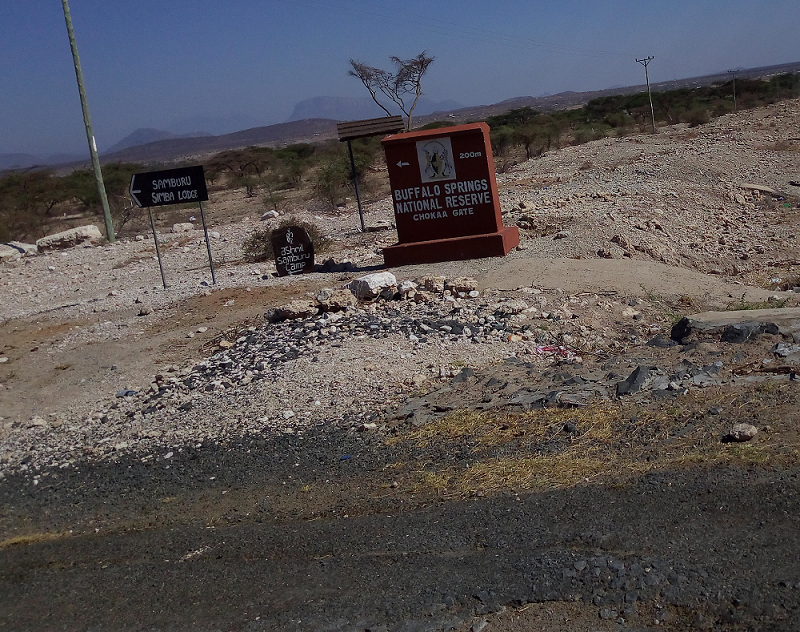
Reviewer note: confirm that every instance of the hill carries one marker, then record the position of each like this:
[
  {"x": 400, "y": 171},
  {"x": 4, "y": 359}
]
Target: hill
[
  {"x": 145, "y": 135},
  {"x": 174, "y": 148},
  {"x": 352, "y": 109},
  {"x": 330, "y": 109}
]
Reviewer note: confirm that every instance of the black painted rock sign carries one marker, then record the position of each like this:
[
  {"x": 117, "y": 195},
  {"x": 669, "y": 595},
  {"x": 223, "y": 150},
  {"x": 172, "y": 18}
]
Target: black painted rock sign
[{"x": 294, "y": 252}]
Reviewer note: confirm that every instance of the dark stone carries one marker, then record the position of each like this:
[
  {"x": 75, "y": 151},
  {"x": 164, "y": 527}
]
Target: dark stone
[
  {"x": 608, "y": 614},
  {"x": 662, "y": 342},
  {"x": 271, "y": 315},
  {"x": 737, "y": 334},
  {"x": 527, "y": 400},
  {"x": 713, "y": 369},
  {"x": 634, "y": 382},
  {"x": 740, "y": 333},
  {"x": 463, "y": 375},
  {"x": 681, "y": 329}
]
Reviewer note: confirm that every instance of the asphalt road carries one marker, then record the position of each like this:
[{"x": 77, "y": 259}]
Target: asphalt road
[{"x": 223, "y": 538}]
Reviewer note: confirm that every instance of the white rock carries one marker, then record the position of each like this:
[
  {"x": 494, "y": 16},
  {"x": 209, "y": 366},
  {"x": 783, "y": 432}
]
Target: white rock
[
  {"x": 13, "y": 250},
  {"x": 371, "y": 285},
  {"x": 27, "y": 249},
  {"x": 182, "y": 228},
  {"x": 269, "y": 215},
  {"x": 406, "y": 286},
  {"x": 7, "y": 253},
  {"x": 72, "y": 237},
  {"x": 742, "y": 432}
]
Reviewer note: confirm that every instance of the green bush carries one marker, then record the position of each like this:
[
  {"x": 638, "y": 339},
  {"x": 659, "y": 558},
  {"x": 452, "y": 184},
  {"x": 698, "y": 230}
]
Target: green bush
[
  {"x": 258, "y": 247},
  {"x": 435, "y": 125},
  {"x": 697, "y": 116},
  {"x": 619, "y": 115},
  {"x": 588, "y": 133}
]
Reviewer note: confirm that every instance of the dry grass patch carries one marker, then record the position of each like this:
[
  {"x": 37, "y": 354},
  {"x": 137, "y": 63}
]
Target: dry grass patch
[
  {"x": 608, "y": 442},
  {"x": 31, "y": 538}
]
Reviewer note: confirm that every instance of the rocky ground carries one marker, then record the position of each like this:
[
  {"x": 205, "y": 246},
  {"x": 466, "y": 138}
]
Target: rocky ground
[{"x": 144, "y": 428}]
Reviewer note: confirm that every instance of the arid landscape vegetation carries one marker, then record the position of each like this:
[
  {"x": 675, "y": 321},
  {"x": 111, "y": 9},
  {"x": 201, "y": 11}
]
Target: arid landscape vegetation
[{"x": 552, "y": 440}]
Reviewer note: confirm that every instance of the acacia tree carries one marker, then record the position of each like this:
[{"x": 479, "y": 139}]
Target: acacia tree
[{"x": 400, "y": 87}]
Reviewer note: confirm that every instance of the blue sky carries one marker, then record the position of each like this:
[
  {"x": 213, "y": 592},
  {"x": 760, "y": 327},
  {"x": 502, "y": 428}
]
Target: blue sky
[{"x": 195, "y": 65}]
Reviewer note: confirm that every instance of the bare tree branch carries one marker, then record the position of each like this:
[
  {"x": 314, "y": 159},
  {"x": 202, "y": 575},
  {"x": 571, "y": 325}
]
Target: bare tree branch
[
  {"x": 372, "y": 78},
  {"x": 406, "y": 80}
]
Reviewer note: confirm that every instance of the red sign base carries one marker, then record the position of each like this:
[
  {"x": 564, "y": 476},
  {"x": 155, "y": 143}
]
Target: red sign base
[{"x": 496, "y": 244}]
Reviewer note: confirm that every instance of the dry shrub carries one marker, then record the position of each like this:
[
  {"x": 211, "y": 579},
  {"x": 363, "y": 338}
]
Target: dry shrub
[
  {"x": 697, "y": 116},
  {"x": 258, "y": 247}
]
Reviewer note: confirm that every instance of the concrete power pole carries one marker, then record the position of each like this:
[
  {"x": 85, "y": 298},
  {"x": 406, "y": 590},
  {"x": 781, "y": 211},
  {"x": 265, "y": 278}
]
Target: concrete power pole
[
  {"x": 733, "y": 74},
  {"x": 644, "y": 63},
  {"x": 98, "y": 174}
]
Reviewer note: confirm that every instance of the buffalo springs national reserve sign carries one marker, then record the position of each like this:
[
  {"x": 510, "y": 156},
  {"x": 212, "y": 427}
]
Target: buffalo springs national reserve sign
[
  {"x": 294, "y": 251},
  {"x": 444, "y": 195}
]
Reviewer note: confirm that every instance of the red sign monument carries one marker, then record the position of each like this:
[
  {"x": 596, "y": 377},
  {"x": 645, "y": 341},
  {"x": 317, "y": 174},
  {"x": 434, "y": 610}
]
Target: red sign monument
[{"x": 445, "y": 198}]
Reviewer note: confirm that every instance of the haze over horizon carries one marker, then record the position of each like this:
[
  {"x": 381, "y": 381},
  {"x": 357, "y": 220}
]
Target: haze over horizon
[{"x": 217, "y": 67}]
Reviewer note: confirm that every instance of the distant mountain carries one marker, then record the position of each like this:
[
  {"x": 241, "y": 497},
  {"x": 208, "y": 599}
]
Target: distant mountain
[
  {"x": 312, "y": 129},
  {"x": 182, "y": 147},
  {"x": 145, "y": 135},
  {"x": 26, "y": 161},
  {"x": 357, "y": 108},
  {"x": 18, "y": 161},
  {"x": 217, "y": 125}
]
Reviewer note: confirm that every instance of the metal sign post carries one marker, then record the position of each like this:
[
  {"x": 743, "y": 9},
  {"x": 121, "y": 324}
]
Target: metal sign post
[
  {"x": 363, "y": 129},
  {"x": 355, "y": 184},
  {"x": 208, "y": 244},
  {"x": 158, "y": 251},
  {"x": 172, "y": 186}
]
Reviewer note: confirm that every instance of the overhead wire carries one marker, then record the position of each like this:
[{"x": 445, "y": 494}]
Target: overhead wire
[{"x": 453, "y": 29}]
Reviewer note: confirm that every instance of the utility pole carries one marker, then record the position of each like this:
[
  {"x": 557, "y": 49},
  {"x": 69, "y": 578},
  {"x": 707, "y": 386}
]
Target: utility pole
[
  {"x": 733, "y": 73},
  {"x": 644, "y": 63},
  {"x": 98, "y": 174}
]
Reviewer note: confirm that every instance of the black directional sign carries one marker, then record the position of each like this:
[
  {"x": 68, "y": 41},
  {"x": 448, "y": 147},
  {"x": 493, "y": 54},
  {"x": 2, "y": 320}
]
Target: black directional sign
[{"x": 172, "y": 186}]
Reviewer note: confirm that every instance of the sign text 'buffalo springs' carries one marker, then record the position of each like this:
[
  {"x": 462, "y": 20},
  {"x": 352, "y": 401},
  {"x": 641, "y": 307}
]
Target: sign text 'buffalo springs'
[{"x": 434, "y": 202}]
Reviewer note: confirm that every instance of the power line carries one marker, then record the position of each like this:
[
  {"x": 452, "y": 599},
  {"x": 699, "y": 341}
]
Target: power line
[
  {"x": 644, "y": 62},
  {"x": 462, "y": 31},
  {"x": 734, "y": 73}
]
